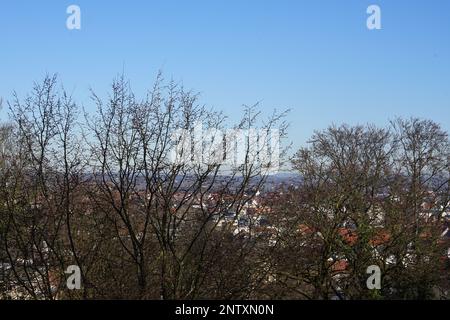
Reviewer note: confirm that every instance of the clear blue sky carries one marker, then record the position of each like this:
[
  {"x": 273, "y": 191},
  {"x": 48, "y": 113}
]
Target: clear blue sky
[{"x": 316, "y": 57}]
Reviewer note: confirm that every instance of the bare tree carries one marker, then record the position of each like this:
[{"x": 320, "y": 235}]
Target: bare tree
[
  {"x": 355, "y": 205},
  {"x": 161, "y": 210}
]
